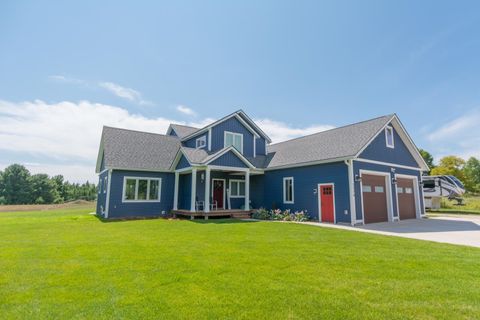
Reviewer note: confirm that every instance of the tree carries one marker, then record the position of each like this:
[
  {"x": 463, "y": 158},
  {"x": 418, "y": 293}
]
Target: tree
[
  {"x": 427, "y": 157},
  {"x": 16, "y": 184},
  {"x": 60, "y": 186},
  {"x": 2, "y": 190},
  {"x": 450, "y": 165},
  {"x": 472, "y": 175},
  {"x": 44, "y": 189}
]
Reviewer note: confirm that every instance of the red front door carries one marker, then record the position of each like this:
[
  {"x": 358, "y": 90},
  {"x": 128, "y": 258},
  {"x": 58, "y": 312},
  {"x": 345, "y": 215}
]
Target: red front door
[
  {"x": 218, "y": 192},
  {"x": 326, "y": 203}
]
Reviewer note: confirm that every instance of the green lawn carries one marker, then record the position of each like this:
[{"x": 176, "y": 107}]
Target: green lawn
[{"x": 70, "y": 265}]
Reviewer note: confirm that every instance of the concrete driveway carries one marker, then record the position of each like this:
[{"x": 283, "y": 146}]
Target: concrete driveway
[{"x": 463, "y": 230}]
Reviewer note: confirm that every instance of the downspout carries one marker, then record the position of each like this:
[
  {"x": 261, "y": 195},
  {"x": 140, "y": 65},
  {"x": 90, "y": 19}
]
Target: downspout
[
  {"x": 107, "y": 201},
  {"x": 351, "y": 188}
]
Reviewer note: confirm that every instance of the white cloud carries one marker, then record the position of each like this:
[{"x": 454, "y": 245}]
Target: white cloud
[
  {"x": 65, "y": 79},
  {"x": 186, "y": 110},
  {"x": 63, "y": 137},
  {"x": 280, "y": 131},
  {"x": 124, "y": 92},
  {"x": 460, "y": 136},
  {"x": 65, "y": 132}
]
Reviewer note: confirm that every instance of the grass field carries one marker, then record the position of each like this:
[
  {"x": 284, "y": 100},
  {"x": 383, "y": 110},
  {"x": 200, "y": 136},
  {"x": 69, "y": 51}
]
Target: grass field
[{"x": 66, "y": 264}]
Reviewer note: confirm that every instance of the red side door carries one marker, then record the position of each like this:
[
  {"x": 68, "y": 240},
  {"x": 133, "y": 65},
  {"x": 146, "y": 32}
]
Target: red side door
[
  {"x": 218, "y": 191},
  {"x": 326, "y": 203}
]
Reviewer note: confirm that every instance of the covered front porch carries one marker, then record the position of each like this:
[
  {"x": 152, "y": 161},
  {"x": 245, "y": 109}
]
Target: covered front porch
[{"x": 209, "y": 191}]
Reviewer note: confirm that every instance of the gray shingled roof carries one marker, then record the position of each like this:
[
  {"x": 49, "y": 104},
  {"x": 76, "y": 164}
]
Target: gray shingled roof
[
  {"x": 183, "y": 131},
  {"x": 195, "y": 155},
  {"x": 128, "y": 149},
  {"x": 336, "y": 143}
]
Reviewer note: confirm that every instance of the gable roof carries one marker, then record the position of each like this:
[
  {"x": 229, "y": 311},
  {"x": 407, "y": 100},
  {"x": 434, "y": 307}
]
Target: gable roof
[
  {"x": 181, "y": 130},
  {"x": 242, "y": 117},
  {"x": 129, "y": 149},
  {"x": 202, "y": 157},
  {"x": 338, "y": 143}
]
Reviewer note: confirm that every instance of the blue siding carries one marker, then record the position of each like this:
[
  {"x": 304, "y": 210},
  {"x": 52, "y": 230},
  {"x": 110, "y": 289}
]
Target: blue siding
[
  {"x": 229, "y": 159},
  {"x": 378, "y": 150},
  {"x": 117, "y": 209},
  {"x": 101, "y": 196},
  {"x": 260, "y": 146},
  {"x": 173, "y": 133},
  {"x": 306, "y": 180},
  {"x": 357, "y": 166},
  {"x": 183, "y": 163},
  {"x": 191, "y": 143},
  {"x": 184, "y": 191},
  {"x": 257, "y": 187},
  {"x": 232, "y": 125}
]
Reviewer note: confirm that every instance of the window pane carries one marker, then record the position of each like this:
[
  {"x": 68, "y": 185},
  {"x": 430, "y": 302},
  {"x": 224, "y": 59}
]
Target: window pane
[
  {"x": 153, "y": 190},
  {"x": 228, "y": 139},
  {"x": 234, "y": 191},
  {"x": 366, "y": 188},
  {"x": 142, "y": 189},
  {"x": 130, "y": 189},
  {"x": 389, "y": 137},
  {"x": 238, "y": 143},
  {"x": 379, "y": 189},
  {"x": 399, "y": 190},
  {"x": 408, "y": 190},
  {"x": 241, "y": 188}
]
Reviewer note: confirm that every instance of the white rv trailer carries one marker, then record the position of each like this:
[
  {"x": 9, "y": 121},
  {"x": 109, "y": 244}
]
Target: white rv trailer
[{"x": 436, "y": 187}]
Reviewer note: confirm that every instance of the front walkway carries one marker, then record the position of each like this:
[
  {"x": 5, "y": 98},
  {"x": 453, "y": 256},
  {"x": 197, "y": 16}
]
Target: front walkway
[{"x": 461, "y": 230}]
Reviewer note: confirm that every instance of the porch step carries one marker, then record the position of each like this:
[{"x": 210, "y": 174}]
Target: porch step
[{"x": 241, "y": 215}]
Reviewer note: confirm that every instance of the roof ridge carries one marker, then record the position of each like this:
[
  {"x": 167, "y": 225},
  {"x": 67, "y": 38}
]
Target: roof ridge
[
  {"x": 336, "y": 128},
  {"x": 131, "y": 130},
  {"x": 182, "y": 125}
]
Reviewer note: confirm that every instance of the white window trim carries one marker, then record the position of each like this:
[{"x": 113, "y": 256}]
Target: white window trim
[
  {"x": 238, "y": 187},
  {"x": 387, "y": 129},
  {"x": 285, "y": 191},
  {"x": 105, "y": 184},
  {"x": 234, "y": 134},
  {"x": 201, "y": 139},
  {"x": 136, "y": 189}
]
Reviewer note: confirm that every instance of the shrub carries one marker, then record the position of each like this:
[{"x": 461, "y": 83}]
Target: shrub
[{"x": 262, "y": 214}]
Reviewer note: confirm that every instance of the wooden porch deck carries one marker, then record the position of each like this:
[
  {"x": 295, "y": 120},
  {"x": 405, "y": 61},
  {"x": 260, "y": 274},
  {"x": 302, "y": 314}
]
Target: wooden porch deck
[{"x": 233, "y": 213}]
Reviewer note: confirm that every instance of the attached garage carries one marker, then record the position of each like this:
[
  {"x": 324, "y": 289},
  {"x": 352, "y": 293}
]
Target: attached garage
[
  {"x": 406, "y": 198},
  {"x": 374, "y": 195}
]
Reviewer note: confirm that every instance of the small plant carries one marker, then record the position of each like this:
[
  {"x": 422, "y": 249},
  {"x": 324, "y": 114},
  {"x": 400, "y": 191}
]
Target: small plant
[{"x": 279, "y": 215}]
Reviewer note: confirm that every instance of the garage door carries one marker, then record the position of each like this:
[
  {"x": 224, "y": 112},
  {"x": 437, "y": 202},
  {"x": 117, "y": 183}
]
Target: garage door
[
  {"x": 406, "y": 199},
  {"x": 374, "y": 198}
]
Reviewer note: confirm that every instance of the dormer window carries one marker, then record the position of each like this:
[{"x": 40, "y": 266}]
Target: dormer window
[
  {"x": 201, "y": 142},
  {"x": 234, "y": 139},
  {"x": 389, "y": 137}
]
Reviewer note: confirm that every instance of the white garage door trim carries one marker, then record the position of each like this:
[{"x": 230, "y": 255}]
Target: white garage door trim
[
  {"x": 388, "y": 186},
  {"x": 416, "y": 194}
]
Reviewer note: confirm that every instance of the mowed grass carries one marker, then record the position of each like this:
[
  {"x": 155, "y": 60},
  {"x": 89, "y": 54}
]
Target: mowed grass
[
  {"x": 471, "y": 205},
  {"x": 66, "y": 264}
]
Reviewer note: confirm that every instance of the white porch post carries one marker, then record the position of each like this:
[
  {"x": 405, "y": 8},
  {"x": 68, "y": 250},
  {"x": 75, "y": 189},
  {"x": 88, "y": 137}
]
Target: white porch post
[
  {"x": 207, "y": 190},
  {"x": 247, "y": 190},
  {"x": 194, "y": 189},
  {"x": 175, "y": 193}
]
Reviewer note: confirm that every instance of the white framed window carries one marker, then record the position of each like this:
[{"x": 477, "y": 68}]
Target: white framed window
[
  {"x": 105, "y": 184},
  {"x": 288, "y": 190},
  {"x": 233, "y": 139},
  {"x": 389, "y": 137},
  {"x": 201, "y": 142},
  {"x": 140, "y": 189},
  {"x": 237, "y": 188},
  {"x": 100, "y": 185}
]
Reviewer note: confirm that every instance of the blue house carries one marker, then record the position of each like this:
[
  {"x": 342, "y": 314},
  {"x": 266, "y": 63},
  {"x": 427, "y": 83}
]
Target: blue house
[{"x": 365, "y": 172}]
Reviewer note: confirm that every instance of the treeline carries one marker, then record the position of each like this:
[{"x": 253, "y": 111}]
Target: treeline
[
  {"x": 466, "y": 171},
  {"x": 18, "y": 186}
]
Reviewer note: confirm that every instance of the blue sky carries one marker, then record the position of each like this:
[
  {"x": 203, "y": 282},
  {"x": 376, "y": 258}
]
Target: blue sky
[{"x": 297, "y": 67}]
